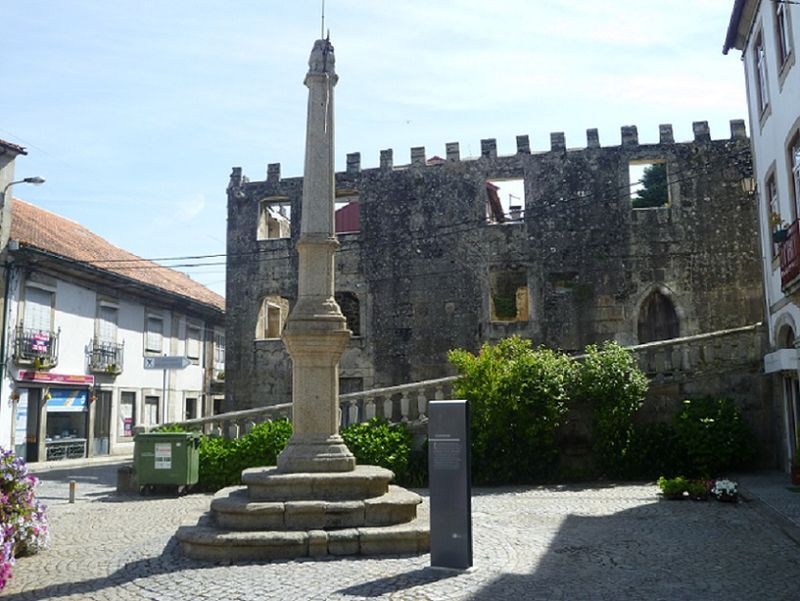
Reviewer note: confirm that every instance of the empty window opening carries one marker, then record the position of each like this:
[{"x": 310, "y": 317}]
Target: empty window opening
[
  {"x": 657, "y": 319},
  {"x": 648, "y": 181},
  {"x": 505, "y": 200},
  {"x": 508, "y": 295},
  {"x": 274, "y": 218},
  {"x": 562, "y": 283},
  {"x": 272, "y": 317},
  {"x": 348, "y": 303},
  {"x": 347, "y": 215}
]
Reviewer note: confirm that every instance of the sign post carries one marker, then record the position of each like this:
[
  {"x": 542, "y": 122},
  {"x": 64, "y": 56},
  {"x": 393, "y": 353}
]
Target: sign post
[
  {"x": 164, "y": 363},
  {"x": 450, "y": 484}
]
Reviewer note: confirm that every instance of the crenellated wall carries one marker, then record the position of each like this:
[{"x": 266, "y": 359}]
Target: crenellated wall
[{"x": 427, "y": 260}]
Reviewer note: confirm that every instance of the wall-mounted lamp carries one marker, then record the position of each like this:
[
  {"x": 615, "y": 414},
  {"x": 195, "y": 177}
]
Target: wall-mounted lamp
[{"x": 748, "y": 185}]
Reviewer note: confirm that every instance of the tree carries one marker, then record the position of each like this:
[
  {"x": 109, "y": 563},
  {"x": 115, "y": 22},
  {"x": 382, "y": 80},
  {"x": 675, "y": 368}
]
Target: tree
[{"x": 653, "y": 192}]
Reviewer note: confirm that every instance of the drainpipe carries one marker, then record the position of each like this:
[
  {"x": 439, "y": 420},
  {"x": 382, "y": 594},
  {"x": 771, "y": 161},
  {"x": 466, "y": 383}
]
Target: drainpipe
[{"x": 5, "y": 323}]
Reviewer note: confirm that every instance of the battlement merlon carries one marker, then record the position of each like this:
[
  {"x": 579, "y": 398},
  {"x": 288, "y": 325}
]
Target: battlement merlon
[{"x": 629, "y": 138}]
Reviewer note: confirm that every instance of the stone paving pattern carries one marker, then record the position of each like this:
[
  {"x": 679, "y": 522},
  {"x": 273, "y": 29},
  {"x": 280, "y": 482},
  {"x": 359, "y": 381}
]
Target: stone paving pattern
[{"x": 568, "y": 542}]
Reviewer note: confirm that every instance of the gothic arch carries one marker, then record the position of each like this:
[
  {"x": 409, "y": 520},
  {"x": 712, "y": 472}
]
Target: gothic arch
[
  {"x": 785, "y": 331},
  {"x": 658, "y": 316}
]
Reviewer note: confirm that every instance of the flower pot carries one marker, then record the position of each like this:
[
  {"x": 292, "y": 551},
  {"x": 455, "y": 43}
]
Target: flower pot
[{"x": 780, "y": 236}]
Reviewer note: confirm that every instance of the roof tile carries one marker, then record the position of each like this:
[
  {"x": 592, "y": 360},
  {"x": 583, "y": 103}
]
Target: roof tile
[{"x": 41, "y": 229}]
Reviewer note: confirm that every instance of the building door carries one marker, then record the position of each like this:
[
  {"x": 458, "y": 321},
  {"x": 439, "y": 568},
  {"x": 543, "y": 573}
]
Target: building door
[
  {"x": 32, "y": 429},
  {"x": 102, "y": 422}
]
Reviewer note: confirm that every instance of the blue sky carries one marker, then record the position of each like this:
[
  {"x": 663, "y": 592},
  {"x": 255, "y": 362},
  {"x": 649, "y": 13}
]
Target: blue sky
[{"x": 135, "y": 111}]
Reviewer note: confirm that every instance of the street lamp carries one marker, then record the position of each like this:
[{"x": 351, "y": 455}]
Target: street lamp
[{"x": 35, "y": 180}]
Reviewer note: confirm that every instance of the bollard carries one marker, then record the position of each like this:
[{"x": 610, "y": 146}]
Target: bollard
[{"x": 72, "y": 491}]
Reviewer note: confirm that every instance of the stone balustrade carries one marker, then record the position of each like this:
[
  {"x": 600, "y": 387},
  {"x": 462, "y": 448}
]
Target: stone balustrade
[{"x": 664, "y": 362}]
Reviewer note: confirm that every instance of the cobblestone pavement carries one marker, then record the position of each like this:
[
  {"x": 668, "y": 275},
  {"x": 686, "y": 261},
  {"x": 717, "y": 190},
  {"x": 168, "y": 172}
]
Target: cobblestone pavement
[{"x": 583, "y": 543}]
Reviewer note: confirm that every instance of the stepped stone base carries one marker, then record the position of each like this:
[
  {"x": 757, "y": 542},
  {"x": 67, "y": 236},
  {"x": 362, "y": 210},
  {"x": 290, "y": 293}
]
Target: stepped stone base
[{"x": 283, "y": 516}]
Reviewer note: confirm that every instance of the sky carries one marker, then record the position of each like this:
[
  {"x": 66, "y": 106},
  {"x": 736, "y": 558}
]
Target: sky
[{"x": 135, "y": 111}]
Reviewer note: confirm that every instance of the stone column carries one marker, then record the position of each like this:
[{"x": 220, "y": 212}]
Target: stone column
[{"x": 316, "y": 333}]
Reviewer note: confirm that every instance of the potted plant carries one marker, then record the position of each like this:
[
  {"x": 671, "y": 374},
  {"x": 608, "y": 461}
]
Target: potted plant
[
  {"x": 779, "y": 228},
  {"x": 674, "y": 488},
  {"x": 726, "y": 491}
]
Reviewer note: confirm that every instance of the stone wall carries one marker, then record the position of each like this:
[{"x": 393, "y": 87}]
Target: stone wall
[{"x": 430, "y": 269}]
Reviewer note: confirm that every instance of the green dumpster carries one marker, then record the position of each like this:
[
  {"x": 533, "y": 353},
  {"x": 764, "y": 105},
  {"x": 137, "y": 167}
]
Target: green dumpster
[{"x": 166, "y": 458}]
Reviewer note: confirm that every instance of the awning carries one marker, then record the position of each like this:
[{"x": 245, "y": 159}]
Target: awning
[{"x": 64, "y": 399}]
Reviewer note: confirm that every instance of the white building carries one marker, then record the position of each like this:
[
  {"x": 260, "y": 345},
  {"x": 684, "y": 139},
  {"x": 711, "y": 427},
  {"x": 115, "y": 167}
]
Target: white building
[
  {"x": 768, "y": 34},
  {"x": 81, "y": 318}
]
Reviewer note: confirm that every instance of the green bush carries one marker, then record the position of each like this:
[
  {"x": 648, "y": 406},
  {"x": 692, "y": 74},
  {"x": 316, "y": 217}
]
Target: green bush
[
  {"x": 715, "y": 436},
  {"x": 673, "y": 488},
  {"x": 518, "y": 399},
  {"x": 377, "y": 442},
  {"x": 610, "y": 380},
  {"x": 222, "y": 460},
  {"x": 654, "y": 449}
]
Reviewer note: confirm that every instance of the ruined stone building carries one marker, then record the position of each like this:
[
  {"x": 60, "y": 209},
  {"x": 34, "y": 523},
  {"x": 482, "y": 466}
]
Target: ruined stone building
[{"x": 433, "y": 255}]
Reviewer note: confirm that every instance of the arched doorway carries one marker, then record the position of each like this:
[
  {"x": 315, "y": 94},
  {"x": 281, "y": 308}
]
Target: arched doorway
[{"x": 658, "y": 319}]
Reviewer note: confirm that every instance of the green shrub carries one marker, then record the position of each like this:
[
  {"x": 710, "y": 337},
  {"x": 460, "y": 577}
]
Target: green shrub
[
  {"x": 673, "y": 488},
  {"x": 610, "y": 380},
  {"x": 715, "y": 436},
  {"x": 653, "y": 449},
  {"x": 377, "y": 442},
  {"x": 222, "y": 460},
  {"x": 518, "y": 400}
]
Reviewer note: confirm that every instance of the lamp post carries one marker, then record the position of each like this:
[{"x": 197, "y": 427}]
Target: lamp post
[{"x": 35, "y": 180}]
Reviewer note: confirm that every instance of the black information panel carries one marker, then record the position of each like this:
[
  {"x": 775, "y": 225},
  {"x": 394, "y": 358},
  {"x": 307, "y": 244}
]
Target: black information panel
[{"x": 450, "y": 485}]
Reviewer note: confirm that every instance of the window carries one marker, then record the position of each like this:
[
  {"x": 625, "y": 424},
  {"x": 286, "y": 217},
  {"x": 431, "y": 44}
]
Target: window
[
  {"x": 191, "y": 408},
  {"x": 347, "y": 215},
  {"x": 127, "y": 413},
  {"x": 194, "y": 336},
  {"x": 274, "y": 218},
  {"x": 348, "y": 303},
  {"x": 508, "y": 295},
  {"x": 775, "y": 220},
  {"x": 649, "y": 187},
  {"x": 657, "y": 319},
  {"x": 38, "y": 309},
  {"x": 151, "y": 410},
  {"x": 219, "y": 351},
  {"x": 505, "y": 200},
  {"x": 154, "y": 333},
  {"x": 782, "y": 32},
  {"x": 794, "y": 160},
  {"x": 761, "y": 74},
  {"x": 272, "y": 317},
  {"x": 106, "y": 326}
]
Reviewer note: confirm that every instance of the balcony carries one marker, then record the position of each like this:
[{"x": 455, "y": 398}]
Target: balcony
[
  {"x": 105, "y": 357},
  {"x": 36, "y": 347},
  {"x": 790, "y": 260}
]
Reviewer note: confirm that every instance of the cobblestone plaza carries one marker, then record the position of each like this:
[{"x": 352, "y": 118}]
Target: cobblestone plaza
[{"x": 595, "y": 541}]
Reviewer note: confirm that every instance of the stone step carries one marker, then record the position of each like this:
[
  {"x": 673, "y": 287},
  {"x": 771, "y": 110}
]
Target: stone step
[
  {"x": 204, "y": 542},
  {"x": 234, "y": 509},
  {"x": 364, "y": 482}
]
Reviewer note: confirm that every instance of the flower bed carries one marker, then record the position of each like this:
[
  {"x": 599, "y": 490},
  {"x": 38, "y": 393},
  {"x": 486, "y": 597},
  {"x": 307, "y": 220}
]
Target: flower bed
[{"x": 23, "y": 524}]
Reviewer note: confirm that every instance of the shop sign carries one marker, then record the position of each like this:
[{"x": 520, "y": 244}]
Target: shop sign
[
  {"x": 69, "y": 401},
  {"x": 46, "y": 377}
]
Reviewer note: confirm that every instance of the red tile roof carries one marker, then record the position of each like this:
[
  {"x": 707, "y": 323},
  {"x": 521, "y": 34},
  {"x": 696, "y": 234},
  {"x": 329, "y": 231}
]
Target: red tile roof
[{"x": 35, "y": 227}]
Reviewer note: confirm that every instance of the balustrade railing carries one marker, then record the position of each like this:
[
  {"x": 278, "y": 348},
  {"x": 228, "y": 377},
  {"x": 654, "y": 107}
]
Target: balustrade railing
[{"x": 666, "y": 361}]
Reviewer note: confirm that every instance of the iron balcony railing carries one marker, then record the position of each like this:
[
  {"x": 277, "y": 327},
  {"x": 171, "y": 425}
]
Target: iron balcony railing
[
  {"x": 36, "y": 347},
  {"x": 105, "y": 356}
]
